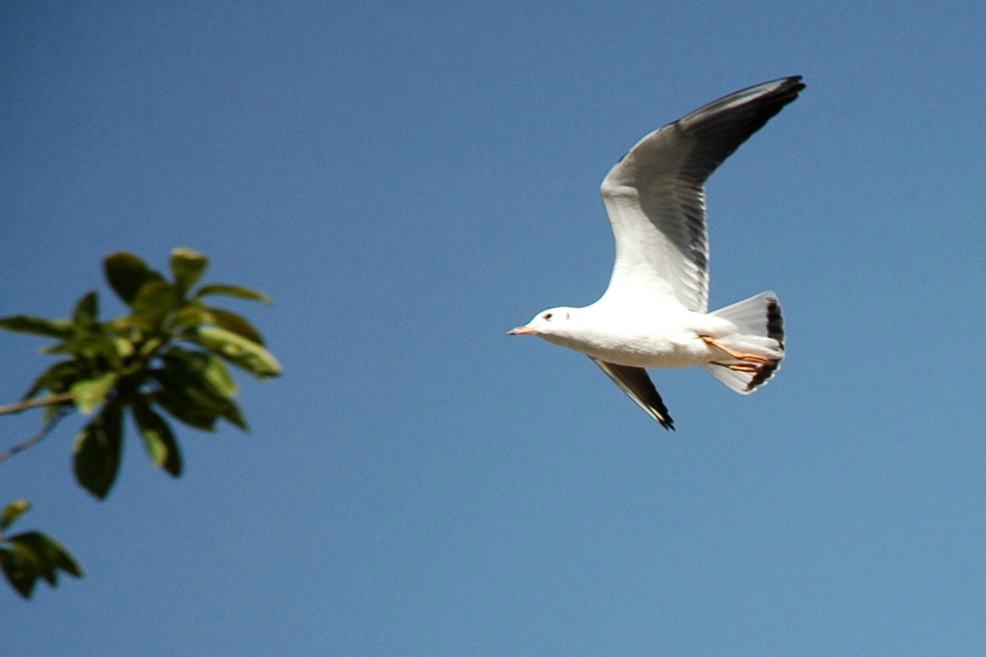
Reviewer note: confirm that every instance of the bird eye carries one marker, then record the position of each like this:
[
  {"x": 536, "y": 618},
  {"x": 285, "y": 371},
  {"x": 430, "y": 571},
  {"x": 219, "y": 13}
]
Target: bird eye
[{"x": 547, "y": 316}]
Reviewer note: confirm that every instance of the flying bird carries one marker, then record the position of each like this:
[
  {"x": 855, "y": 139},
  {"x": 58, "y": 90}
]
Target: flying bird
[{"x": 654, "y": 313}]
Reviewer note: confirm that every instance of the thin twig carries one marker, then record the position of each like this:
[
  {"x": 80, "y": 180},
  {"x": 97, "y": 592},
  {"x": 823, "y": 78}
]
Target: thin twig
[
  {"x": 51, "y": 400},
  {"x": 38, "y": 437}
]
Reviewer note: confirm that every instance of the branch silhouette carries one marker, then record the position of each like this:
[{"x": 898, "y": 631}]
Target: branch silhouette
[{"x": 41, "y": 435}]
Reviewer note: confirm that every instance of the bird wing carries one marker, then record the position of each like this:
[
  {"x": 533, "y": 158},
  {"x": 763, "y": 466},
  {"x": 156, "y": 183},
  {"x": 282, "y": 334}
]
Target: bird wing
[
  {"x": 655, "y": 196},
  {"x": 635, "y": 382}
]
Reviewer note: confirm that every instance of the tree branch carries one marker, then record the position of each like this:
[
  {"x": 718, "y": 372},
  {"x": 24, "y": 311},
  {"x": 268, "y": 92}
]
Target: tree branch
[
  {"x": 36, "y": 438},
  {"x": 51, "y": 400}
]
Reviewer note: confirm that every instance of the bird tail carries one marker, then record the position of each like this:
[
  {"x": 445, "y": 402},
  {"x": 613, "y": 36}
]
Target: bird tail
[{"x": 761, "y": 333}]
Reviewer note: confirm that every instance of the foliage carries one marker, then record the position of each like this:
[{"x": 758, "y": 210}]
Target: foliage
[
  {"x": 30, "y": 556},
  {"x": 166, "y": 359}
]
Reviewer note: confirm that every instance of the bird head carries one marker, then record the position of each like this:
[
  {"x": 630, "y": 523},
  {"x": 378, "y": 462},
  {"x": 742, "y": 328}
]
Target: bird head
[{"x": 554, "y": 322}]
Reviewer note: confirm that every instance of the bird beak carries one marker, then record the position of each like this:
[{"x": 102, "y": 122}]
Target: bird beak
[{"x": 521, "y": 330}]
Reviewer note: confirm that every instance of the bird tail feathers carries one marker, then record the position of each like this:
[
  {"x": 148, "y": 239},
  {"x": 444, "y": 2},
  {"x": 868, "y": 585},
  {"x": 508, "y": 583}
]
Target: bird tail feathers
[{"x": 761, "y": 333}]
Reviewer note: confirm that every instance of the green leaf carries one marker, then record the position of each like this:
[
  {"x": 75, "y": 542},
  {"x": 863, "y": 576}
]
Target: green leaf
[
  {"x": 92, "y": 344},
  {"x": 32, "y": 556},
  {"x": 219, "y": 377},
  {"x": 238, "y": 350},
  {"x": 188, "y": 267},
  {"x": 182, "y": 409},
  {"x": 207, "y": 370},
  {"x": 47, "y": 554},
  {"x": 55, "y": 328},
  {"x": 51, "y": 551},
  {"x": 13, "y": 511},
  {"x": 154, "y": 300},
  {"x": 38, "y": 563},
  {"x": 124, "y": 347},
  {"x": 90, "y": 393},
  {"x": 196, "y": 388},
  {"x": 234, "y": 416},
  {"x": 235, "y": 323},
  {"x": 196, "y": 314},
  {"x": 193, "y": 313},
  {"x": 87, "y": 310},
  {"x": 58, "y": 378},
  {"x": 97, "y": 450},
  {"x": 19, "y": 570},
  {"x": 160, "y": 442},
  {"x": 126, "y": 274},
  {"x": 236, "y": 291}
]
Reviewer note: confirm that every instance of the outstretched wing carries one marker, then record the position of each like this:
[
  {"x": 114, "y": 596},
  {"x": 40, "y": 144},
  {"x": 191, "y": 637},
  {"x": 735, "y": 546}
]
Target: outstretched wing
[
  {"x": 637, "y": 384},
  {"x": 655, "y": 196}
]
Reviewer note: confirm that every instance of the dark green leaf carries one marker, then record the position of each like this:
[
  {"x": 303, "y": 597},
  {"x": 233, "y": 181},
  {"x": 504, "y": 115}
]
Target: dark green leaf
[
  {"x": 197, "y": 389},
  {"x": 55, "y": 328},
  {"x": 155, "y": 299},
  {"x": 47, "y": 555},
  {"x": 197, "y": 380},
  {"x": 182, "y": 409},
  {"x": 236, "y": 291},
  {"x": 57, "y": 378},
  {"x": 180, "y": 361},
  {"x": 19, "y": 570},
  {"x": 235, "y": 323},
  {"x": 192, "y": 314},
  {"x": 52, "y": 551},
  {"x": 35, "y": 555},
  {"x": 87, "y": 310},
  {"x": 238, "y": 350},
  {"x": 92, "y": 344},
  {"x": 97, "y": 451},
  {"x": 126, "y": 274},
  {"x": 188, "y": 267},
  {"x": 90, "y": 393},
  {"x": 13, "y": 511},
  {"x": 160, "y": 442},
  {"x": 234, "y": 416},
  {"x": 32, "y": 559},
  {"x": 199, "y": 369}
]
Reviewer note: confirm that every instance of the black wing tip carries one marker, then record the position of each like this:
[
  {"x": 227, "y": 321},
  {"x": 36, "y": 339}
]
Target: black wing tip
[
  {"x": 795, "y": 80},
  {"x": 660, "y": 410},
  {"x": 769, "y": 102},
  {"x": 658, "y": 407},
  {"x": 793, "y": 84},
  {"x": 637, "y": 385},
  {"x": 787, "y": 91}
]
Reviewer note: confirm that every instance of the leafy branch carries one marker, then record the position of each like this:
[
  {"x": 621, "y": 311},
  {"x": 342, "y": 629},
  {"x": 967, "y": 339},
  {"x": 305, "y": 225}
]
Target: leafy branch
[
  {"x": 165, "y": 359},
  {"x": 30, "y": 556}
]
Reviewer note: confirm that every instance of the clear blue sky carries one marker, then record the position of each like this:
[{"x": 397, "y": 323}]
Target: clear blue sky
[{"x": 411, "y": 181}]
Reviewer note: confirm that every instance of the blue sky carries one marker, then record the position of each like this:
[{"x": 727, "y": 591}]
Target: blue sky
[{"x": 409, "y": 182}]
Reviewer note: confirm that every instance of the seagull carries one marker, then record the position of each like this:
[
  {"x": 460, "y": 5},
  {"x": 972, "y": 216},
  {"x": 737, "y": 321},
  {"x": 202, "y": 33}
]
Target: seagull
[{"x": 654, "y": 313}]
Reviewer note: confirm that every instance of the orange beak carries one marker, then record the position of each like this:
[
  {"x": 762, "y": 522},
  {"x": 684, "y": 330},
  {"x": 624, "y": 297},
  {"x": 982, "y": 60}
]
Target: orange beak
[{"x": 521, "y": 330}]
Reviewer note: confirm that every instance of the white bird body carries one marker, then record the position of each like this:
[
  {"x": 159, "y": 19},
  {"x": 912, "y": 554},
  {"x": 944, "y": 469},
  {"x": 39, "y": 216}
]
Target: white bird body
[
  {"x": 636, "y": 337},
  {"x": 654, "y": 311}
]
